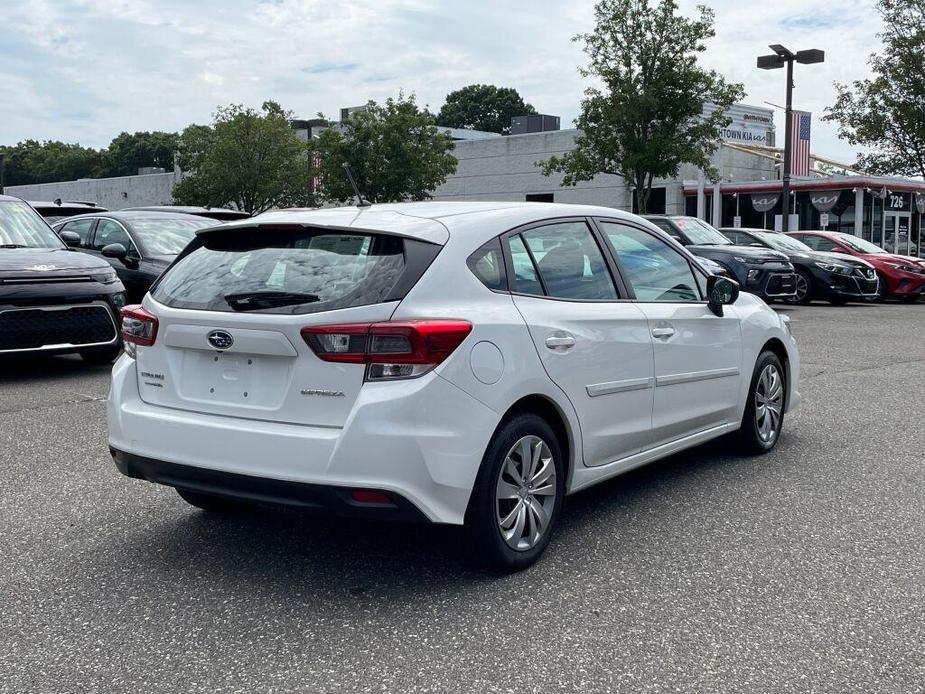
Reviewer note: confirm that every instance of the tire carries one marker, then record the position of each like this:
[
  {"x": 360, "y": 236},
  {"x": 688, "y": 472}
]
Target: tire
[
  {"x": 910, "y": 298},
  {"x": 212, "y": 503},
  {"x": 804, "y": 289},
  {"x": 490, "y": 507},
  {"x": 882, "y": 290},
  {"x": 101, "y": 355},
  {"x": 760, "y": 430}
]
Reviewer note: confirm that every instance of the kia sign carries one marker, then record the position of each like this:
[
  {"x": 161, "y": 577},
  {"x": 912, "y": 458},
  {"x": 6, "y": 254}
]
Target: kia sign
[
  {"x": 824, "y": 200},
  {"x": 764, "y": 202}
]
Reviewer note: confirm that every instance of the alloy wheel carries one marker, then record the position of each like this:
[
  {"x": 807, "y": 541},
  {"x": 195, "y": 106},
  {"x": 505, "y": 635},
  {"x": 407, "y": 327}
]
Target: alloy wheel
[
  {"x": 802, "y": 288},
  {"x": 525, "y": 494},
  {"x": 769, "y": 403}
]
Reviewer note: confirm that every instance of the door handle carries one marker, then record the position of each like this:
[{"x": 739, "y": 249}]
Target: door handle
[
  {"x": 562, "y": 342},
  {"x": 662, "y": 332}
]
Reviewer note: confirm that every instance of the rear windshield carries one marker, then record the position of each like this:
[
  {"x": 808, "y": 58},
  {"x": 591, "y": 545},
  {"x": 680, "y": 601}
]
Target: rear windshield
[{"x": 299, "y": 271}]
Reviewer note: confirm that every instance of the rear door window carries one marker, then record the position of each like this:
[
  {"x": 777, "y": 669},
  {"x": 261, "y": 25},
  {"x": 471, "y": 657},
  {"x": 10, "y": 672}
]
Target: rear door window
[
  {"x": 292, "y": 271},
  {"x": 570, "y": 264}
]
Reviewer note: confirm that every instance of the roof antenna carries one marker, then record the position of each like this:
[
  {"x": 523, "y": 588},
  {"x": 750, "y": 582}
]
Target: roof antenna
[{"x": 353, "y": 184}]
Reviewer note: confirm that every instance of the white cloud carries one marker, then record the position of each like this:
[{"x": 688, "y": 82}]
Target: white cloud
[{"x": 96, "y": 67}]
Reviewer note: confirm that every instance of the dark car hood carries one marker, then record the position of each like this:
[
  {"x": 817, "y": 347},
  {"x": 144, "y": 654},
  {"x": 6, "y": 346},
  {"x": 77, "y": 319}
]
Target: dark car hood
[
  {"x": 842, "y": 258},
  {"x": 747, "y": 252},
  {"x": 44, "y": 262}
]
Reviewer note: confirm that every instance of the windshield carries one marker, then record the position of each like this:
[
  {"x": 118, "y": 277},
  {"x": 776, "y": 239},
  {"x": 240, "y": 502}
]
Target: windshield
[
  {"x": 21, "y": 226},
  {"x": 781, "y": 242},
  {"x": 859, "y": 245},
  {"x": 161, "y": 236},
  {"x": 700, "y": 233}
]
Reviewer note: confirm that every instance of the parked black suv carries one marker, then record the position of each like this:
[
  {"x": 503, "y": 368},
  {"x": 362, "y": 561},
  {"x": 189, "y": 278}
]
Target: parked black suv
[
  {"x": 833, "y": 277},
  {"x": 60, "y": 209},
  {"x": 52, "y": 299},
  {"x": 760, "y": 271}
]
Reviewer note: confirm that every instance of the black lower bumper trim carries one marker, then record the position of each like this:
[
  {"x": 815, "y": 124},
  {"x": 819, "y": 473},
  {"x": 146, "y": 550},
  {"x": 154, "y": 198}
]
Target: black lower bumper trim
[{"x": 262, "y": 490}]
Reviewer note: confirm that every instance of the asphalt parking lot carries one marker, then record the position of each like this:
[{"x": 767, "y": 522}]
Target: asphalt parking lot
[{"x": 800, "y": 571}]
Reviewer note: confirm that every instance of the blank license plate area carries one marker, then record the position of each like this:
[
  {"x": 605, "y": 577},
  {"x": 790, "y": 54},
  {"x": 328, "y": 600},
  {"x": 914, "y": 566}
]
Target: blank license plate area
[{"x": 244, "y": 380}]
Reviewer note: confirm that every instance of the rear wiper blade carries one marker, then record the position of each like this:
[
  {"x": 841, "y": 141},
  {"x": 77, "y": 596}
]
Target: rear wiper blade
[{"x": 248, "y": 301}]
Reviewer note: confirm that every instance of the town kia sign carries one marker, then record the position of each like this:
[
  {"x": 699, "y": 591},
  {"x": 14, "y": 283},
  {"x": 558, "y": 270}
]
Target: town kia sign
[{"x": 824, "y": 200}]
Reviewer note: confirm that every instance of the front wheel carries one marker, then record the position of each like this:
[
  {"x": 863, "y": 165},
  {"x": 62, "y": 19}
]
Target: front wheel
[
  {"x": 803, "y": 287},
  {"x": 101, "y": 356},
  {"x": 517, "y": 495},
  {"x": 764, "y": 410}
]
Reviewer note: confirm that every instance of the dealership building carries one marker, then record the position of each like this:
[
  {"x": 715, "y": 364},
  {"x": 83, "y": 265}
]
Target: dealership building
[{"x": 885, "y": 210}]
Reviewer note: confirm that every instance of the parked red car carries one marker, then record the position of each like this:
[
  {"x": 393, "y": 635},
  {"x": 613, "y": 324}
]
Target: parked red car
[{"x": 901, "y": 276}]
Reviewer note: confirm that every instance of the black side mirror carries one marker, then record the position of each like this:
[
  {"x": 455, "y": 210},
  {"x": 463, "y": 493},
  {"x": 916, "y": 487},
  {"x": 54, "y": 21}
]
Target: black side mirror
[
  {"x": 115, "y": 250},
  {"x": 721, "y": 291},
  {"x": 70, "y": 238}
]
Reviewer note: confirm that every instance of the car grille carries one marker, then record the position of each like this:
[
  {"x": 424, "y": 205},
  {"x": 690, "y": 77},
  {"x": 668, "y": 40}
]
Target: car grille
[
  {"x": 781, "y": 284},
  {"x": 22, "y": 329}
]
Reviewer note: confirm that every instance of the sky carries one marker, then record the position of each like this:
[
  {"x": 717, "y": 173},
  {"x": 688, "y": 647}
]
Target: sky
[{"x": 85, "y": 70}]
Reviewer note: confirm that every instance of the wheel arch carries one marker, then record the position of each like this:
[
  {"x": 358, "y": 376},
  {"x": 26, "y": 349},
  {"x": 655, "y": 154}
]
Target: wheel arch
[
  {"x": 549, "y": 410},
  {"x": 776, "y": 346}
]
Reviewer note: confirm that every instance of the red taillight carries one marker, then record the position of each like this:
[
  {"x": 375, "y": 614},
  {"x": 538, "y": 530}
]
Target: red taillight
[
  {"x": 370, "y": 496},
  {"x": 400, "y": 349},
  {"x": 138, "y": 326}
]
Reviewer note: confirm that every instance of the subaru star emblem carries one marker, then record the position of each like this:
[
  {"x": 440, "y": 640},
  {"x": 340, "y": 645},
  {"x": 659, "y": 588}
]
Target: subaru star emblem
[
  {"x": 220, "y": 339},
  {"x": 43, "y": 268}
]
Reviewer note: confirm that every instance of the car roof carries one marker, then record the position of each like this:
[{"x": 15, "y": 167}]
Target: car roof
[
  {"x": 129, "y": 216},
  {"x": 428, "y": 221},
  {"x": 190, "y": 209}
]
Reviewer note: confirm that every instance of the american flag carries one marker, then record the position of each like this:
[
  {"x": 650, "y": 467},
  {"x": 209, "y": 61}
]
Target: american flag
[{"x": 799, "y": 143}]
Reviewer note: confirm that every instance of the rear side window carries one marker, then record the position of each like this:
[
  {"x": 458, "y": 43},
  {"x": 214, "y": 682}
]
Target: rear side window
[
  {"x": 487, "y": 263},
  {"x": 293, "y": 271}
]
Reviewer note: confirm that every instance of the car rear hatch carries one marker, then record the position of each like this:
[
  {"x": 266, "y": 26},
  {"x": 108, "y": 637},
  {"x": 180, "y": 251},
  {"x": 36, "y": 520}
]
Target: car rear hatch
[{"x": 231, "y": 313}]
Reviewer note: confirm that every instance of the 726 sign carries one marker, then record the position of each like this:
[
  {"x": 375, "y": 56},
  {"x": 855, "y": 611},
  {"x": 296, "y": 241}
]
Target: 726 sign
[{"x": 897, "y": 201}]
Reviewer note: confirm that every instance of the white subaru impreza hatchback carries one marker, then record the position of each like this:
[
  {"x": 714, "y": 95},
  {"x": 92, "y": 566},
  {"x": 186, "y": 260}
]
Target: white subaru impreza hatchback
[{"x": 461, "y": 363}]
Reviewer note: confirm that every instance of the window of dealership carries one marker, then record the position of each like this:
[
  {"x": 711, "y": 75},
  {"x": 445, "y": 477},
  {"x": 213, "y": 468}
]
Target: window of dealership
[{"x": 885, "y": 211}]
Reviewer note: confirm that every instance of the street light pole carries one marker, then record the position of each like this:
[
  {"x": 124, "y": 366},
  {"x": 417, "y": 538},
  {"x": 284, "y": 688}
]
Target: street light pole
[
  {"x": 784, "y": 57},
  {"x": 788, "y": 148}
]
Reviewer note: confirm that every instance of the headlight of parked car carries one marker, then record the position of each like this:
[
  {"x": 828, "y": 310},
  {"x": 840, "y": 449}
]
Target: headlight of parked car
[
  {"x": 836, "y": 268},
  {"x": 909, "y": 268},
  {"x": 105, "y": 276}
]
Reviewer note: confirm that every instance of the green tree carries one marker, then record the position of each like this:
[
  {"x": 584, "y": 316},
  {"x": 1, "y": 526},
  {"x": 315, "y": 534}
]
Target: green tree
[
  {"x": 483, "y": 107},
  {"x": 31, "y": 161},
  {"x": 394, "y": 150},
  {"x": 887, "y": 112},
  {"x": 129, "y": 152},
  {"x": 646, "y": 121},
  {"x": 252, "y": 159}
]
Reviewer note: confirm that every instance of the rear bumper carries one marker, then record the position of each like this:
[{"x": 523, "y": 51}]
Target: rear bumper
[
  {"x": 406, "y": 438},
  {"x": 313, "y": 497}
]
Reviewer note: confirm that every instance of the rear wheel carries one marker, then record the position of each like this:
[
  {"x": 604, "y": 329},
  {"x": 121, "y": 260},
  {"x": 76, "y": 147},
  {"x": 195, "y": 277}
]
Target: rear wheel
[
  {"x": 101, "y": 355},
  {"x": 763, "y": 419},
  {"x": 212, "y": 503},
  {"x": 804, "y": 289},
  {"x": 517, "y": 495}
]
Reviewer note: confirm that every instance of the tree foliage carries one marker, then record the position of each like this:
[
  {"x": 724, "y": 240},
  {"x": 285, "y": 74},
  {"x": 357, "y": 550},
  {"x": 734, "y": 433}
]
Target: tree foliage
[
  {"x": 646, "y": 121},
  {"x": 483, "y": 107},
  {"x": 129, "y": 152},
  {"x": 31, "y": 161},
  {"x": 887, "y": 112},
  {"x": 394, "y": 150},
  {"x": 251, "y": 159}
]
